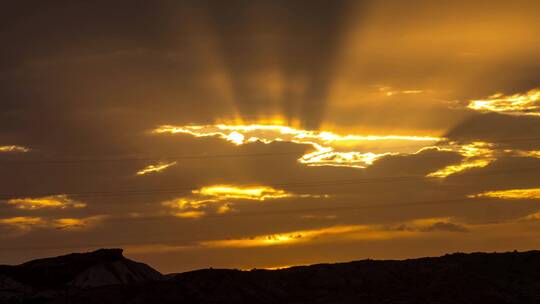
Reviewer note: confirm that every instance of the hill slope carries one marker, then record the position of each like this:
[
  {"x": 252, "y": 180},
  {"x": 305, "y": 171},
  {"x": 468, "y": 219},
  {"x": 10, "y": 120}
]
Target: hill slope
[{"x": 456, "y": 278}]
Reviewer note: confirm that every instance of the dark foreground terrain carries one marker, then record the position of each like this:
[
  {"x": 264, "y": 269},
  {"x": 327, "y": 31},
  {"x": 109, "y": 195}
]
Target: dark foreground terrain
[{"x": 106, "y": 276}]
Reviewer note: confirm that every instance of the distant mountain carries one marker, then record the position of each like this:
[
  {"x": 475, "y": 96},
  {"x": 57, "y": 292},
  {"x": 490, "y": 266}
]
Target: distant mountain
[
  {"x": 456, "y": 278},
  {"x": 73, "y": 272}
]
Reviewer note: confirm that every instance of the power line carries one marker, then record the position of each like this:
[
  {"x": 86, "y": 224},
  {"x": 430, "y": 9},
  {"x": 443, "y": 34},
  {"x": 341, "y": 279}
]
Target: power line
[
  {"x": 284, "y": 211},
  {"x": 287, "y": 185},
  {"x": 136, "y": 159}
]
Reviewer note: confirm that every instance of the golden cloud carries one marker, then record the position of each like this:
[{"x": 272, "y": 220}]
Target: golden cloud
[
  {"x": 414, "y": 228},
  {"x": 155, "y": 168},
  {"x": 475, "y": 155},
  {"x": 353, "y": 151},
  {"x": 26, "y": 223},
  {"x": 351, "y": 232},
  {"x": 23, "y": 222},
  {"x": 61, "y": 201},
  {"x": 517, "y": 104},
  {"x": 77, "y": 223},
  {"x": 533, "y": 193},
  {"x": 221, "y": 198},
  {"x": 14, "y": 148},
  {"x": 330, "y": 149}
]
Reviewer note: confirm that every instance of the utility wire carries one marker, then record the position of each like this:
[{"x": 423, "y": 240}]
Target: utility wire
[{"x": 287, "y": 185}]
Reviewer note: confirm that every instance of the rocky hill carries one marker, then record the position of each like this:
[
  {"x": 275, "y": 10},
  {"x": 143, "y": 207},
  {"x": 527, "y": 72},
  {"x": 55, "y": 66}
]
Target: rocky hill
[
  {"x": 71, "y": 273},
  {"x": 455, "y": 278}
]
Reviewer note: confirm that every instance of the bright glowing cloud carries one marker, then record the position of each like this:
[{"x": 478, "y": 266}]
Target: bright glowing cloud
[
  {"x": 190, "y": 214},
  {"x": 533, "y": 193},
  {"x": 23, "y": 222},
  {"x": 330, "y": 149},
  {"x": 351, "y": 232},
  {"x": 26, "y": 223},
  {"x": 260, "y": 193},
  {"x": 388, "y": 91},
  {"x": 55, "y": 201},
  {"x": 517, "y": 104},
  {"x": 155, "y": 168},
  {"x": 14, "y": 149},
  {"x": 219, "y": 199},
  {"x": 77, "y": 223},
  {"x": 475, "y": 155}
]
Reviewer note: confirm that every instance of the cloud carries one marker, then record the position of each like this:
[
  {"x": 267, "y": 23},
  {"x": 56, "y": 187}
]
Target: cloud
[
  {"x": 532, "y": 217},
  {"x": 221, "y": 198},
  {"x": 504, "y": 131},
  {"x": 14, "y": 149},
  {"x": 517, "y": 104},
  {"x": 77, "y": 223},
  {"x": 23, "y": 222},
  {"x": 475, "y": 155},
  {"x": 330, "y": 149},
  {"x": 26, "y": 223},
  {"x": 433, "y": 225},
  {"x": 60, "y": 201},
  {"x": 155, "y": 168},
  {"x": 354, "y": 232},
  {"x": 533, "y": 193}
]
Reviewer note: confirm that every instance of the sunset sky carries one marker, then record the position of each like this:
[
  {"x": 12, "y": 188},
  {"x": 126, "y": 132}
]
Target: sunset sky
[{"x": 263, "y": 134}]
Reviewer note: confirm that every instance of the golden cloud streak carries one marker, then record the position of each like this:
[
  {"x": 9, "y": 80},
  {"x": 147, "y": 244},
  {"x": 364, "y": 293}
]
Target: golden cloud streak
[
  {"x": 190, "y": 214},
  {"x": 23, "y": 222},
  {"x": 476, "y": 155},
  {"x": 155, "y": 168},
  {"x": 55, "y": 201},
  {"x": 14, "y": 148},
  {"x": 26, "y": 223},
  {"x": 224, "y": 192},
  {"x": 328, "y": 146},
  {"x": 533, "y": 193},
  {"x": 351, "y": 232},
  {"x": 77, "y": 223},
  {"x": 222, "y": 196},
  {"x": 517, "y": 104},
  {"x": 413, "y": 228}
]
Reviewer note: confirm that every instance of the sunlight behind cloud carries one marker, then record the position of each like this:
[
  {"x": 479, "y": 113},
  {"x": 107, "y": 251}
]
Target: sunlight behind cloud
[{"x": 330, "y": 149}]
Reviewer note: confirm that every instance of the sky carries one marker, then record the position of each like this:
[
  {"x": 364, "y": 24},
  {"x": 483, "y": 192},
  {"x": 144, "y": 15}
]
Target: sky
[{"x": 264, "y": 134}]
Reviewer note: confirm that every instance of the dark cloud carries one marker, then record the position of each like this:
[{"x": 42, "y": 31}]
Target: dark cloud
[{"x": 508, "y": 131}]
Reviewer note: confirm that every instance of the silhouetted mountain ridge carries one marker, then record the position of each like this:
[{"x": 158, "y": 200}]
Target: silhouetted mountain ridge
[
  {"x": 511, "y": 277},
  {"x": 76, "y": 270}
]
